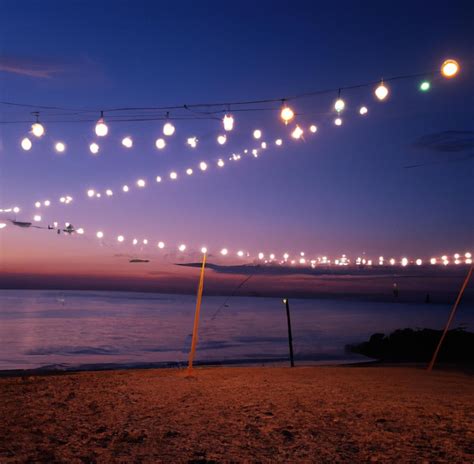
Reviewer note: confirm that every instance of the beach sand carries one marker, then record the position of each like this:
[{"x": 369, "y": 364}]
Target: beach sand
[{"x": 252, "y": 414}]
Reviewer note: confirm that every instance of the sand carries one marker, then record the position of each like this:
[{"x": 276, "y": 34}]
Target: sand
[{"x": 305, "y": 414}]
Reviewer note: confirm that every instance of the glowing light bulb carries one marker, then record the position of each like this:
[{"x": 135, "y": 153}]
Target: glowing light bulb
[
  {"x": 37, "y": 218},
  {"x": 468, "y": 255},
  {"x": 37, "y": 129},
  {"x": 297, "y": 132},
  {"x": 60, "y": 147},
  {"x": 240, "y": 253},
  {"x": 287, "y": 114},
  {"x": 228, "y": 122},
  {"x": 47, "y": 203},
  {"x": 160, "y": 144},
  {"x": 158, "y": 179},
  {"x": 202, "y": 166},
  {"x": 189, "y": 171},
  {"x": 404, "y": 262},
  {"x": 263, "y": 145},
  {"x": 338, "y": 121},
  {"x": 313, "y": 129},
  {"x": 257, "y": 133},
  {"x": 272, "y": 256},
  {"x": 363, "y": 110},
  {"x": 220, "y": 163},
  {"x": 101, "y": 128},
  {"x": 192, "y": 142},
  {"x": 94, "y": 148},
  {"x": 381, "y": 92},
  {"x": 145, "y": 241},
  {"x": 203, "y": 250},
  {"x": 173, "y": 175},
  {"x": 224, "y": 251},
  {"x": 161, "y": 245},
  {"x": 2, "y": 225},
  {"x": 90, "y": 193},
  {"x": 168, "y": 129},
  {"x": 80, "y": 231},
  {"x": 134, "y": 241},
  {"x": 16, "y": 209},
  {"x": 125, "y": 188},
  {"x": 449, "y": 68},
  {"x": 419, "y": 262},
  {"x": 339, "y": 105},
  {"x": 99, "y": 234},
  {"x": 279, "y": 142},
  {"x": 425, "y": 86},
  {"x": 221, "y": 139},
  {"x": 433, "y": 260},
  {"x": 261, "y": 256},
  {"x": 127, "y": 142},
  {"x": 286, "y": 256},
  {"x": 120, "y": 238},
  {"x": 182, "y": 247},
  {"x": 109, "y": 192},
  {"x": 141, "y": 183},
  {"x": 61, "y": 200},
  {"x": 302, "y": 261},
  {"x": 38, "y": 204},
  {"x": 26, "y": 144}
]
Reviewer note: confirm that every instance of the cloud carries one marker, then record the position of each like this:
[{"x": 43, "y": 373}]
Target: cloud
[
  {"x": 451, "y": 141},
  {"x": 32, "y": 67}
]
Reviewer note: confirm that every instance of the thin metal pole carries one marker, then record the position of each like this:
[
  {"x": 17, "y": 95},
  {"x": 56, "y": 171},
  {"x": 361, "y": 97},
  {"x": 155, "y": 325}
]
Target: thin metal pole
[
  {"x": 290, "y": 338},
  {"x": 450, "y": 319},
  {"x": 196, "y": 315}
]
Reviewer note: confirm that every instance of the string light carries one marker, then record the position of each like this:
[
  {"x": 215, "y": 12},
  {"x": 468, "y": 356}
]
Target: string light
[
  {"x": 90, "y": 193},
  {"x": 363, "y": 110},
  {"x": 425, "y": 86},
  {"x": 160, "y": 144},
  {"x": 161, "y": 245},
  {"x": 279, "y": 142},
  {"x": 404, "y": 262},
  {"x": 220, "y": 163},
  {"x": 141, "y": 183},
  {"x": 60, "y": 147},
  {"x": 94, "y": 148},
  {"x": 38, "y": 204},
  {"x": 338, "y": 122},
  {"x": 263, "y": 145},
  {"x": 240, "y": 253},
  {"x": 203, "y": 250},
  {"x": 257, "y": 134},
  {"x": 419, "y": 262},
  {"x": 449, "y": 68},
  {"x": 228, "y": 122},
  {"x": 37, "y": 129},
  {"x": 168, "y": 129},
  {"x": 26, "y": 144},
  {"x": 381, "y": 92},
  {"x": 101, "y": 128},
  {"x": 125, "y": 188},
  {"x": 297, "y": 132},
  {"x": 287, "y": 114},
  {"x": 189, "y": 171},
  {"x": 182, "y": 247},
  {"x": 47, "y": 203},
  {"x": 221, "y": 139},
  {"x": 224, "y": 251},
  {"x": 37, "y": 218},
  {"x": 127, "y": 142},
  {"x": 202, "y": 166},
  {"x": 120, "y": 238},
  {"x": 192, "y": 142},
  {"x": 313, "y": 129},
  {"x": 173, "y": 175},
  {"x": 109, "y": 192},
  {"x": 339, "y": 105}
]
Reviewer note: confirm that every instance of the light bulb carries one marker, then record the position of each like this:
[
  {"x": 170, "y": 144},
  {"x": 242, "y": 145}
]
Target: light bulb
[
  {"x": 313, "y": 129},
  {"x": 419, "y": 262},
  {"x": 90, "y": 193},
  {"x": 257, "y": 133},
  {"x": 127, "y": 142},
  {"x": 168, "y": 129},
  {"x": 38, "y": 204},
  {"x": 404, "y": 262},
  {"x": 182, "y": 247},
  {"x": 240, "y": 253},
  {"x": 94, "y": 148},
  {"x": 228, "y": 122},
  {"x": 220, "y": 163},
  {"x": 120, "y": 238},
  {"x": 203, "y": 250},
  {"x": 425, "y": 86},
  {"x": 101, "y": 128},
  {"x": 279, "y": 142},
  {"x": 47, "y": 203},
  {"x": 161, "y": 245},
  {"x": 189, "y": 171},
  {"x": 160, "y": 144},
  {"x": 173, "y": 175},
  {"x": 287, "y": 114},
  {"x": 338, "y": 121},
  {"x": 26, "y": 144},
  {"x": 60, "y": 147},
  {"x": 192, "y": 142},
  {"x": 158, "y": 179},
  {"x": 264, "y": 145},
  {"x": 109, "y": 192},
  {"x": 224, "y": 251},
  {"x": 221, "y": 139},
  {"x": 339, "y": 105},
  {"x": 37, "y": 129},
  {"x": 297, "y": 132},
  {"x": 141, "y": 182},
  {"x": 37, "y": 218},
  {"x": 381, "y": 92},
  {"x": 449, "y": 68},
  {"x": 125, "y": 188},
  {"x": 202, "y": 166},
  {"x": 363, "y": 110}
]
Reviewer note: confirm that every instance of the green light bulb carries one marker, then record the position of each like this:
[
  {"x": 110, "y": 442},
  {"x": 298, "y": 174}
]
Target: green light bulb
[{"x": 425, "y": 86}]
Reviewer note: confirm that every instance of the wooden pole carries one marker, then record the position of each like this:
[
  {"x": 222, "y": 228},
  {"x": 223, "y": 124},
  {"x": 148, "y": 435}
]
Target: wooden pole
[
  {"x": 196, "y": 315},
  {"x": 290, "y": 338},
  {"x": 450, "y": 318}
]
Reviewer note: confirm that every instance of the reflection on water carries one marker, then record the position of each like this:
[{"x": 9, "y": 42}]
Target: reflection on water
[{"x": 71, "y": 328}]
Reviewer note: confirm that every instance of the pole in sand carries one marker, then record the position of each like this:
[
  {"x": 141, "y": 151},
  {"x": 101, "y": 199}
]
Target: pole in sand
[
  {"x": 450, "y": 318},
  {"x": 196, "y": 315},
  {"x": 290, "y": 338}
]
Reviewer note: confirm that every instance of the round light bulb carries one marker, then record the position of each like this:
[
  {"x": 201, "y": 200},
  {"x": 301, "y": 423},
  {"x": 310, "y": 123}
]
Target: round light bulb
[
  {"x": 189, "y": 171},
  {"x": 192, "y": 142},
  {"x": 37, "y": 129},
  {"x": 37, "y": 218},
  {"x": 257, "y": 133},
  {"x": 202, "y": 166},
  {"x": 127, "y": 142},
  {"x": 297, "y": 132},
  {"x": 94, "y": 148},
  {"x": 182, "y": 247},
  {"x": 221, "y": 139},
  {"x": 381, "y": 92},
  {"x": 38, "y": 204},
  {"x": 449, "y": 68},
  {"x": 287, "y": 114},
  {"x": 120, "y": 238},
  {"x": 26, "y": 144},
  {"x": 363, "y": 110},
  {"x": 160, "y": 144},
  {"x": 220, "y": 163},
  {"x": 168, "y": 129},
  {"x": 125, "y": 188},
  {"x": 161, "y": 245},
  {"x": 313, "y": 129},
  {"x": 425, "y": 86},
  {"x": 339, "y": 105},
  {"x": 90, "y": 193},
  {"x": 338, "y": 121},
  {"x": 173, "y": 175},
  {"x": 279, "y": 142},
  {"x": 224, "y": 251},
  {"x": 109, "y": 192},
  {"x": 101, "y": 128},
  {"x": 60, "y": 147},
  {"x": 158, "y": 179},
  {"x": 141, "y": 183}
]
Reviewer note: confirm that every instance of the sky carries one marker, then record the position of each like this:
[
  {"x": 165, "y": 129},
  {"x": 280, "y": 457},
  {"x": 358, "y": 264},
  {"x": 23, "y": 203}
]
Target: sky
[{"x": 396, "y": 182}]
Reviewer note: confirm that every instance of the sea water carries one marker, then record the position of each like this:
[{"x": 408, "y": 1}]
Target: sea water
[{"x": 70, "y": 329}]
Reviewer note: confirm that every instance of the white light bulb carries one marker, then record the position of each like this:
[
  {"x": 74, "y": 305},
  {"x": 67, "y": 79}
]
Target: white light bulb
[
  {"x": 228, "y": 122},
  {"x": 338, "y": 121},
  {"x": 240, "y": 253},
  {"x": 287, "y": 114},
  {"x": 38, "y": 204},
  {"x": 90, "y": 193},
  {"x": 313, "y": 129},
  {"x": 99, "y": 234},
  {"x": 263, "y": 145},
  {"x": 419, "y": 262},
  {"x": 80, "y": 231},
  {"x": 109, "y": 192},
  {"x": 220, "y": 163},
  {"x": 221, "y": 139},
  {"x": 160, "y": 144},
  {"x": 37, "y": 129},
  {"x": 161, "y": 245},
  {"x": 261, "y": 256},
  {"x": 257, "y": 133},
  {"x": 202, "y": 166},
  {"x": 101, "y": 128},
  {"x": 26, "y": 144},
  {"x": 339, "y": 105},
  {"x": 94, "y": 148},
  {"x": 404, "y": 262},
  {"x": 141, "y": 183},
  {"x": 16, "y": 209},
  {"x": 433, "y": 260},
  {"x": 60, "y": 147},
  {"x": 279, "y": 142},
  {"x": 37, "y": 218},
  {"x": 120, "y": 238},
  {"x": 363, "y": 110},
  {"x": 182, "y": 247},
  {"x": 168, "y": 129},
  {"x": 192, "y": 142},
  {"x": 203, "y": 250},
  {"x": 381, "y": 92},
  {"x": 134, "y": 241},
  {"x": 158, "y": 179},
  {"x": 173, "y": 175},
  {"x": 286, "y": 256},
  {"x": 224, "y": 251},
  {"x": 127, "y": 142},
  {"x": 125, "y": 188},
  {"x": 297, "y": 132},
  {"x": 47, "y": 203},
  {"x": 189, "y": 171},
  {"x": 2, "y": 225}
]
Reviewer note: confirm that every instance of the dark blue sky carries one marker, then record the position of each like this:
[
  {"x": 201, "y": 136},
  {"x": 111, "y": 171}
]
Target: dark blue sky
[{"x": 345, "y": 190}]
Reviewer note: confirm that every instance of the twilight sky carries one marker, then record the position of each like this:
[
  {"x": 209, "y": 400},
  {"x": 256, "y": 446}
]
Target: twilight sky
[{"x": 344, "y": 190}]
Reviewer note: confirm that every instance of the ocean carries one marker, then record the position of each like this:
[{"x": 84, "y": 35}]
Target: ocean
[{"x": 92, "y": 329}]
